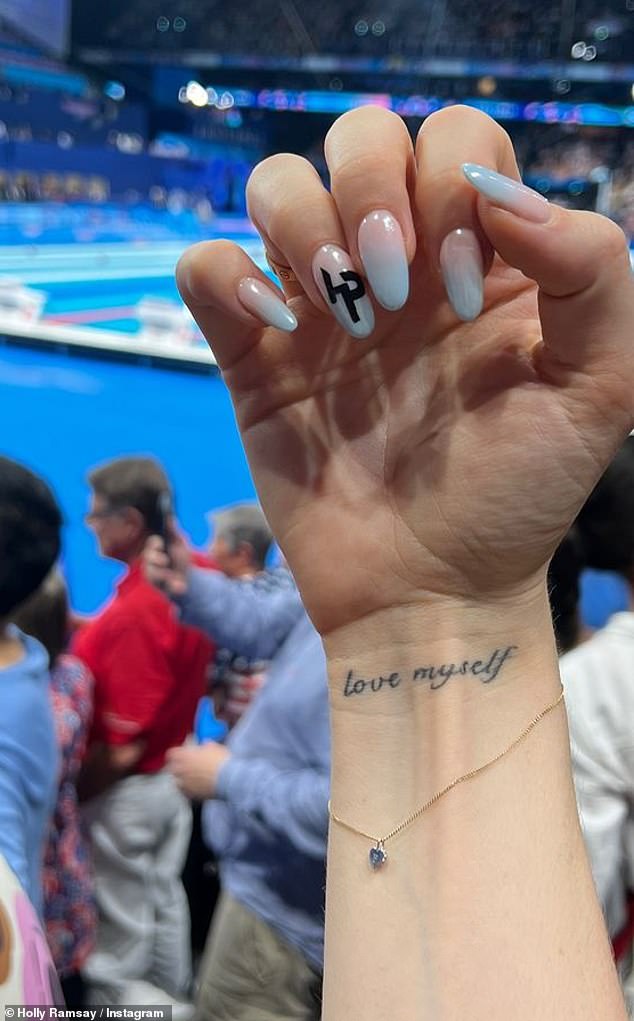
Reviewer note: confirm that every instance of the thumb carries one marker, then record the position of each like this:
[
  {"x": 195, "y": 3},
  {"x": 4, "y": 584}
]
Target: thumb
[{"x": 580, "y": 262}]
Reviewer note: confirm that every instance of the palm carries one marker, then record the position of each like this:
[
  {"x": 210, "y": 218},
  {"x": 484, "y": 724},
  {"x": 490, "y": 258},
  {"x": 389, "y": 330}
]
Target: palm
[{"x": 431, "y": 458}]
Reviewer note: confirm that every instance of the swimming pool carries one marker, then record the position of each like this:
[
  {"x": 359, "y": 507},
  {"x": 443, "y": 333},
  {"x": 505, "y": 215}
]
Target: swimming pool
[
  {"x": 100, "y": 286},
  {"x": 62, "y": 410}
]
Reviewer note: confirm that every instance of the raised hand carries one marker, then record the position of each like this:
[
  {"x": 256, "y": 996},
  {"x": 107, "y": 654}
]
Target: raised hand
[{"x": 401, "y": 453}]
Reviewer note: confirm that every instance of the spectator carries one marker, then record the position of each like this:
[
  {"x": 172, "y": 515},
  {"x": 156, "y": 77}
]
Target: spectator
[
  {"x": 502, "y": 30},
  {"x": 240, "y": 545},
  {"x": 599, "y": 680},
  {"x": 30, "y": 524},
  {"x": 149, "y": 673},
  {"x": 27, "y": 975},
  {"x": 69, "y": 907},
  {"x": 241, "y": 540},
  {"x": 268, "y": 818}
]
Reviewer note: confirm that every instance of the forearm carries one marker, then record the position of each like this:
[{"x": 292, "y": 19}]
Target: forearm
[
  {"x": 291, "y": 803},
  {"x": 493, "y": 879},
  {"x": 238, "y": 615}
]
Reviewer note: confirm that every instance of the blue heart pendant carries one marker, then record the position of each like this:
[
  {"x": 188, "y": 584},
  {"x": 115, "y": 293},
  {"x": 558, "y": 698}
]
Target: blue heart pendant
[{"x": 378, "y": 856}]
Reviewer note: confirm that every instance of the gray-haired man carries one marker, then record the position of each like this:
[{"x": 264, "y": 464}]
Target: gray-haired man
[{"x": 241, "y": 540}]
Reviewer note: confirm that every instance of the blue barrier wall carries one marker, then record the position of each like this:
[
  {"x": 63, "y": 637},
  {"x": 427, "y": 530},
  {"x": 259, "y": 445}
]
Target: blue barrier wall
[
  {"x": 123, "y": 171},
  {"x": 223, "y": 180},
  {"x": 88, "y": 120},
  {"x": 61, "y": 414}
]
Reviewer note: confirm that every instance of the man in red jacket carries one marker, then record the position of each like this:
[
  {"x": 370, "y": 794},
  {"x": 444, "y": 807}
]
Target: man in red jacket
[{"x": 149, "y": 674}]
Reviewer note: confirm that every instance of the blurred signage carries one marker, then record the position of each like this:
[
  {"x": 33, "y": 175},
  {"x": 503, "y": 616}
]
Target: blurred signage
[
  {"x": 314, "y": 101},
  {"x": 45, "y": 22}
]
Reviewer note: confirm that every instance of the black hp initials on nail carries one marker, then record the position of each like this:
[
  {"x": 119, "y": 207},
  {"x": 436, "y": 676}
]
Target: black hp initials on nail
[{"x": 351, "y": 290}]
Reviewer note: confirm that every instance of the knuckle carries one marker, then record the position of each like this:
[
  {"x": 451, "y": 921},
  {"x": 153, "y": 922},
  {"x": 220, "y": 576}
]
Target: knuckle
[
  {"x": 603, "y": 241},
  {"x": 274, "y": 187},
  {"x": 468, "y": 122},
  {"x": 280, "y": 219},
  {"x": 447, "y": 180},
  {"x": 459, "y": 113},
  {"x": 193, "y": 267},
  {"x": 611, "y": 238},
  {"x": 270, "y": 173},
  {"x": 354, "y": 172},
  {"x": 368, "y": 131},
  {"x": 188, "y": 271},
  {"x": 374, "y": 118}
]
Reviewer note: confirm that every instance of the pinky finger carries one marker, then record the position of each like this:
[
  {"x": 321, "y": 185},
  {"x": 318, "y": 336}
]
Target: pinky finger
[{"x": 230, "y": 298}]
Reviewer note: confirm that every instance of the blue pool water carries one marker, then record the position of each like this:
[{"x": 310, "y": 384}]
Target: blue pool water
[
  {"x": 61, "y": 413},
  {"x": 95, "y": 264}
]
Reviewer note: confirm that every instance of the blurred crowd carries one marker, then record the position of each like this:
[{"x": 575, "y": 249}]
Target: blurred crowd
[
  {"x": 203, "y": 683},
  {"x": 568, "y": 163},
  {"x": 503, "y": 29},
  {"x": 581, "y": 168},
  {"x": 569, "y": 157},
  {"x": 127, "y": 688}
]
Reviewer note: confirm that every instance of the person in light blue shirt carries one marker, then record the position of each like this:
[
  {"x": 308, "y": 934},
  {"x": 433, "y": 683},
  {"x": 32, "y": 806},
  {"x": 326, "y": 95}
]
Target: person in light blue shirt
[
  {"x": 30, "y": 525},
  {"x": 267, "y": 817},
  {"x": 28, "y": 761}
]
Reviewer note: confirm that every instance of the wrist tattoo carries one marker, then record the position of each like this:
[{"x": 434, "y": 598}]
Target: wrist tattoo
[{"x": 486, "y": 669}]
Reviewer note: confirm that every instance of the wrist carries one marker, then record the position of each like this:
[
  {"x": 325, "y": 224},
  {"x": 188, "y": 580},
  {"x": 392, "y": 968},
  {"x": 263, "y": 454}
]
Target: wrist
[
  {"x": 386, "y": 658},
  {"x": 457, "y": 688}
]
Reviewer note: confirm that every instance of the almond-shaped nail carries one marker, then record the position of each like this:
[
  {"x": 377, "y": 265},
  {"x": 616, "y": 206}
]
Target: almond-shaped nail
[
  {"x": 260, "y": 300},
  {"x": 508, "y": 194},
  {"x": 462, "y": 271},
  {"x": 343, "y": 290},
  {"x": 384, "y": 258}
]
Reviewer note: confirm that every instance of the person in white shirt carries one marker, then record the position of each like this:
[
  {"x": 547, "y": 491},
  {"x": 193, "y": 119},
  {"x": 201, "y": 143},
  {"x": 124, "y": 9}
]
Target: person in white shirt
[{"x": 598, "y": 678}]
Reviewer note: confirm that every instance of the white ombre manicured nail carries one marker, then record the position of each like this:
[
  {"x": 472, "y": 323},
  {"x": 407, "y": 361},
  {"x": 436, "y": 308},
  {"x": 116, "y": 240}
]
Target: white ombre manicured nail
[
  {"x": 260, "y": 300},
  {"x": 384, "y": 258},
  {"x": 508, "y": 194},
  {"x": 461, "y": 267},
  {"x": 343, "y": 290}
]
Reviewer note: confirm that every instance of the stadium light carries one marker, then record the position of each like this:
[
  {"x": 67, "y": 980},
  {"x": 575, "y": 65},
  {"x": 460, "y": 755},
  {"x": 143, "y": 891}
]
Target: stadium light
[
  {"x": 487, "y": 85},
  {"x": 196, "y": 94},
  {"x": 114, "y": 90}
]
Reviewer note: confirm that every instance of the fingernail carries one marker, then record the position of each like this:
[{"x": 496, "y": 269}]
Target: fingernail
[
  {"x": 260, "y": 300},
  {"x": 461, "y": 267},
  {"x": 508, "y": 194},
  {"x": 384, "y": 258},
  {"x": 343, "y": 290}
]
